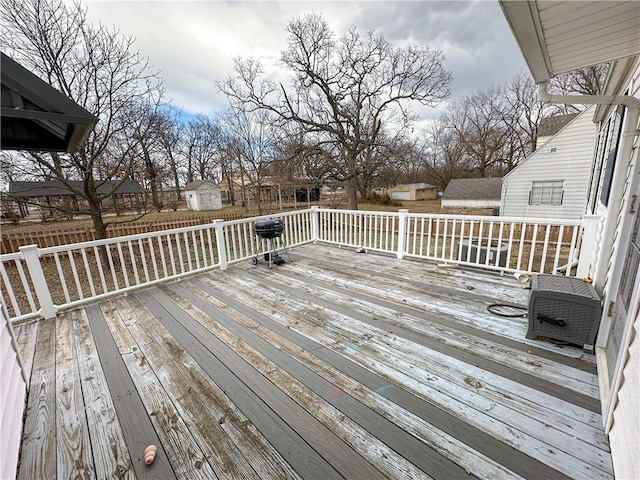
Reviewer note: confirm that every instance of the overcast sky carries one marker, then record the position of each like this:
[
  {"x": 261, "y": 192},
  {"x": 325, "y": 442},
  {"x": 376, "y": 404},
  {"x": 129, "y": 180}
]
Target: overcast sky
[{"x": 194, "y": 43}]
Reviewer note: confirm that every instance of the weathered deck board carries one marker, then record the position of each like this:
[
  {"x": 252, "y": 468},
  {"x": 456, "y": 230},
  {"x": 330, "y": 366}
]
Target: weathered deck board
[
  {"x": 365, "y": 443},
  {"x": 38, "y": 455},
  {"x": 110, "y": 453},
  {"x": 424, "y": 288},
  {"x": 182, "y": 450},
  {"x": 436, "y": 299},
  {"x": 501, "y": 360},
  {"x": 199, "y": 399},
  {"x": 503, "y": 395},
  {"x": 74, "y": 456},
  {"x": 137, "y": 429},
  {"x": 338, "y": 365},
  {"x": 26, "y": 336},
  {"x": 344, "y": 462}
]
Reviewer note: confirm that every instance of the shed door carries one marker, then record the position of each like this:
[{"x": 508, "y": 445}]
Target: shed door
[{"x": 400, "y": 195}]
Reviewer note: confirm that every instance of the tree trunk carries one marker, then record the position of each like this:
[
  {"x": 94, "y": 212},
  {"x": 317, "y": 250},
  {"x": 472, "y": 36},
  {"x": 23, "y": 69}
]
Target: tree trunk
[
  {"x": 152, "y": 176},
  {"x": 175, "y": 174},
  {"x": 352, "y": 191},
  {"x": 352, "y": 183}
]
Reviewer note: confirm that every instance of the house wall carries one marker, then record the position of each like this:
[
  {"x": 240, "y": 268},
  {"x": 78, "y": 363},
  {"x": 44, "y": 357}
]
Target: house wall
[
  {"x": 415, "y": 194},
  {"x": 566, "y": 156},
  {"x": 617, "y": 349},
  {"x": 470, "y": 203},
  {"x": 12, "y": 396},
  {"x": 426, "y": 194},
  {"x": 624, "y": 436}
]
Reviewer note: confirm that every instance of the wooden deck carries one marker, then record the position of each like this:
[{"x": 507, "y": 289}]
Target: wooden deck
[{"x": 338, "y": 365}]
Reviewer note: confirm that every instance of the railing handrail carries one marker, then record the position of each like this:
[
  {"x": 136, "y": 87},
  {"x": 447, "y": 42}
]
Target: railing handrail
[
  {"x": 496, "y": 218},
  {"x": 443, "y": 216},
  {"x": 120, "y": 239},
  {"x": 267, "y": 216}
]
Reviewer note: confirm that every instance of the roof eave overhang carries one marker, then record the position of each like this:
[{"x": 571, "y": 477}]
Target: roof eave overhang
[
  {"x": 594, "y": 38},
  {"x": 65, "y": 124},
  {"x": 524, "y": 22}
]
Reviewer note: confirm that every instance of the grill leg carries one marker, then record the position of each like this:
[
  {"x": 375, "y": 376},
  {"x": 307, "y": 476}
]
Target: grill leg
[
  {"x": 286, "y": 250},
  {"x": 271, "y": 252}
]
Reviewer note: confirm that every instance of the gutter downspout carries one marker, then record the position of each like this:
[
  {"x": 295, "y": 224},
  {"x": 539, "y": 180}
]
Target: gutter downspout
[{"x": 631, "y": 130}]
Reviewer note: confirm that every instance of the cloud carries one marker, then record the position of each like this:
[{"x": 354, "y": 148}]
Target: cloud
[{"x": 194, "y": 43}]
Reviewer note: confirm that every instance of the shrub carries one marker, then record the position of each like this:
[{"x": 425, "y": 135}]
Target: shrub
[{"x": 384, "y": 199}]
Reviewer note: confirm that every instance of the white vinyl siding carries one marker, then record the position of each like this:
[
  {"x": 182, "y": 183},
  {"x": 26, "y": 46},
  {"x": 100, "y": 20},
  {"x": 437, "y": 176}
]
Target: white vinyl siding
[
  {"x": 546, "y": 193},
  {"x": 12, "y": 397},
  {"x": 566, "y": 156},
  {"x": 625, "y": 433}
]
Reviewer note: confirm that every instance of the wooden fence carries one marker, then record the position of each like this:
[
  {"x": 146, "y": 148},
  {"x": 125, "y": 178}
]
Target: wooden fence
[{"x": 11, "y": 242}]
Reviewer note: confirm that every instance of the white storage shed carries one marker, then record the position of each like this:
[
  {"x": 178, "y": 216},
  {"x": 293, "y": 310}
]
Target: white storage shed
[{"x": 203, "y": 195}]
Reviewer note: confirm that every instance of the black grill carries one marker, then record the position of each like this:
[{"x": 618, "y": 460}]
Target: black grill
[{"x": 269, "y": 228}]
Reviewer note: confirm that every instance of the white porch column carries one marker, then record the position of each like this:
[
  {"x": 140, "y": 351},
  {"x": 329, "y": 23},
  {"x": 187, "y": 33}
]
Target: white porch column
[
  {"x": 588, "y": 245},
  {"x": 32, "y": 260},
  {"x": 222, "y": 249},
  {"x": 314, "y": 224},
  {"x": 402, "y": 232}
]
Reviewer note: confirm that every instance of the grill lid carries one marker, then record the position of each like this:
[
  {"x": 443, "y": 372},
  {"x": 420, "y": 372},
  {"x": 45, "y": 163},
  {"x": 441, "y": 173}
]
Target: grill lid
[{"x": 269, "y": 227}]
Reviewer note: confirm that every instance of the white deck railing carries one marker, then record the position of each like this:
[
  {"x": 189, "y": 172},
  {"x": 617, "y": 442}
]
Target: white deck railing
[{"x": 41, "y": 281}]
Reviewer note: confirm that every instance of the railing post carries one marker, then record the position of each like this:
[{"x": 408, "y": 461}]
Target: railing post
[
  {"x": 314, "y": 224},
  {"x": 402, "y": 231},
  {"x": 588, "y": 244},
  {"x": 32, "y": 260},
  {"x": 222, "y": 249}
]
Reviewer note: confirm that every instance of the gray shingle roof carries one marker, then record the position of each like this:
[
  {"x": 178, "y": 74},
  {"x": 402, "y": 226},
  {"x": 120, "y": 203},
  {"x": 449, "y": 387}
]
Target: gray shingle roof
[
  {"x": 418, "y": 186},
  {"x": 196, "y": 184},
  {"x": 473, "y": 189},
  {"x": 57, "y": 188},
  {"x": 552, "y": 125}
]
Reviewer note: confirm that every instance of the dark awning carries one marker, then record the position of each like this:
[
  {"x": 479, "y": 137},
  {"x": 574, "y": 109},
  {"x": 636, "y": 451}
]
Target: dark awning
[{"x": 35, "y": 116}]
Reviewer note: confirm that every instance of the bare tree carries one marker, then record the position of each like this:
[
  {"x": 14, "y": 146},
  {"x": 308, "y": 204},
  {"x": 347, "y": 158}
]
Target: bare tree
[
  {"x": 584, "y": 81},
  {"x": 343, "y": 90},
  {"x": 254, "y": 142},
  {"x": 148, "y": 134},
  {"x": 97, "y": 68},
  {"x": 203, "y": 138},
  {"x": 445, "y": 156},
  {"x": 479, "y": 125},
  {"x": 522, "y": 113},
  {"x": 407, "y": 159},
  {"x": 170, "y": 133}
]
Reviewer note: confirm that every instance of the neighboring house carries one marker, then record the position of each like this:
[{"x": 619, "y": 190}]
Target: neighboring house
[
  {"x": 472, "y": 193},
  {"x": 35, "y": 116},
  {"x": 549, "y": 126},
  {"x": 54, "y": 193},
  {"x": 413, "y": 191},
  {"x": 553, "y": 182},
  {"x": 203, "y": 195},
  {"x": 553, "y": 44}
]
